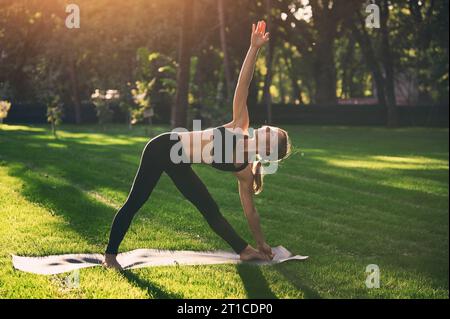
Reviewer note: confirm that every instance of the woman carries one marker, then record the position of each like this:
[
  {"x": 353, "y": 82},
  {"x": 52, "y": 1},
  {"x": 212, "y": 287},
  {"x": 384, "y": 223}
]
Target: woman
[{"x": 158, "y": 157}]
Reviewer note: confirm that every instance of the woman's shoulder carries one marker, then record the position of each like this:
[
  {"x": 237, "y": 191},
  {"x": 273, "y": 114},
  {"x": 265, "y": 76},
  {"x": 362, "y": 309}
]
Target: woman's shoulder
[{"x": 246, "y": 174}]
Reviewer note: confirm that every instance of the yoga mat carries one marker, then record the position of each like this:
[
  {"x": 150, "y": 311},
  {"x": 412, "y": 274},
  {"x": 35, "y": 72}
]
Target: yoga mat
[{"x": 56, "y": 264}]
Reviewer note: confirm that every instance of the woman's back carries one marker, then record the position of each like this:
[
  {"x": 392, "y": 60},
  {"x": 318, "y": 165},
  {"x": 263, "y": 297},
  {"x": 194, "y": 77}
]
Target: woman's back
[{"x": 221, "y": 147}]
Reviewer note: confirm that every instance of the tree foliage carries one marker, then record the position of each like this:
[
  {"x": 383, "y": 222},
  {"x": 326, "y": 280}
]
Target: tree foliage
[{"x": 322, "y": 51}]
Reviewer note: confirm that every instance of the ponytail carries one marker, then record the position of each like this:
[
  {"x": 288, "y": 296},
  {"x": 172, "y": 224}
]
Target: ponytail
[{"x": 257, "y": 178}]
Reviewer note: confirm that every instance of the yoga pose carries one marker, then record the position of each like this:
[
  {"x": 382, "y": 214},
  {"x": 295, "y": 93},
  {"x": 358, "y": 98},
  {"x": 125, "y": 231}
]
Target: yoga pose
[{"x": 160, "y": 153}]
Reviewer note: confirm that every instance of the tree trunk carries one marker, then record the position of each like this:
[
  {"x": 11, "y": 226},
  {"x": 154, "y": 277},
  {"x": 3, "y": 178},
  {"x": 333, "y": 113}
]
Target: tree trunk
[
  {"x": 179, "y": 108},
  {"x": 293, "y": 76},
  {"x": 362, "y": 37},
  {"x": 75, "y": 90},
  {"x": 347, "y": 70},
  {"x": 267, "y": 99},
  {"x": 223, "y": 43},
  {"x": 54, "y": 130},
  {"x": 281, "y": 88},
  {"x": 326, "y": 20},
  {"x": 202, "y": 77},
  {"x": 325, "y": 72},
  {"x": 297, "y": 91},
  {"x": 422, "y": 38},
  {"x": 388, "y": 64}
]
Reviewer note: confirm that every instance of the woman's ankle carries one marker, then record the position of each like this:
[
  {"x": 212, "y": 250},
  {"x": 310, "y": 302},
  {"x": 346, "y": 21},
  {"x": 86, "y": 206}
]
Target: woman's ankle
[{"x": 110, "y": 256}]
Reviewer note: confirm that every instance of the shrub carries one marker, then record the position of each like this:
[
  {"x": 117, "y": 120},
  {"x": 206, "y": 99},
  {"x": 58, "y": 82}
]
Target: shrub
[
  {"x": 54, "y": 114},
  {"x": 5, "y": 106}
]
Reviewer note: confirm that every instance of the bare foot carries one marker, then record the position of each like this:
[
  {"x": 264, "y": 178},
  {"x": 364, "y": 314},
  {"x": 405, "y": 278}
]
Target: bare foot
[
  {"x": 110, "y": 261},
  {"x": 250, "y": 253}
]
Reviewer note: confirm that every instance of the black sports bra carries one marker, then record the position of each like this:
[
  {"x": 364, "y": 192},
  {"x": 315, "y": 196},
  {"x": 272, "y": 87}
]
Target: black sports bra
[{"x": 221, "y": 134}]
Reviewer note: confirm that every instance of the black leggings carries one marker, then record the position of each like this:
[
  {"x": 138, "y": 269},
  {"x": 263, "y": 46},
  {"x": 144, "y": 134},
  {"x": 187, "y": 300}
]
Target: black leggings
[{"x": 155, "y": 160}]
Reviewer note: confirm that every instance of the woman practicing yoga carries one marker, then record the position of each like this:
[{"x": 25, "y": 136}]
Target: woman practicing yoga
[{"x": 161, "y": 154}]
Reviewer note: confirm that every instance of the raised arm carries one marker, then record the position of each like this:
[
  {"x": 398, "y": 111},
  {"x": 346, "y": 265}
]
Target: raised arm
[{"x": 240, "y": 113}]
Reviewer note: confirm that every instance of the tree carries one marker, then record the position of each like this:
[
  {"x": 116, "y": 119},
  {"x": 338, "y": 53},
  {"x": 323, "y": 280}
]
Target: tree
[
  {"x": 388, "y": 64},
  {"x": 223, "y": 42},
  {"x": 179, "y": 108},
  {"x": 316, "y": 24},
  {"x": 267, "y": 98},
  {"x": 54, "y": 114},
  {"x": 359, "y": 32},
  {"x": 75, "y": 91},
  {"x": 102, "y": 103},
  {"x": 382, "y": 66},
  {"x": 428, "y": 21}
]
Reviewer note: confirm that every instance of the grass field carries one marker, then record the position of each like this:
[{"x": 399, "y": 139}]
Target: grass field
[{"x": 358, "y": 196}]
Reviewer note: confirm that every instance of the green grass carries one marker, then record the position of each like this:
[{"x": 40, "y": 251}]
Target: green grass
[{"x": 357, "y": 196}]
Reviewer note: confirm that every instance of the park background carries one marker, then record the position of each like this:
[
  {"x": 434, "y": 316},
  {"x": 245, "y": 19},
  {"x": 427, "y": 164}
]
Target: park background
[{"x": 366, "y": 108}]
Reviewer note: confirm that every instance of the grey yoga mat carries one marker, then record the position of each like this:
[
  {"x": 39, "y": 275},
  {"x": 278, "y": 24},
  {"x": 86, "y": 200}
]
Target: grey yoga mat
[{"x": 139, "y": 258}]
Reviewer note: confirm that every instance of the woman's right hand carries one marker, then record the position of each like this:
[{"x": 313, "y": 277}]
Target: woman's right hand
[
  {"x": 265, "y": 249},
  {"x": 259, "y": 35},
  {"x": 251, "y": 254}
]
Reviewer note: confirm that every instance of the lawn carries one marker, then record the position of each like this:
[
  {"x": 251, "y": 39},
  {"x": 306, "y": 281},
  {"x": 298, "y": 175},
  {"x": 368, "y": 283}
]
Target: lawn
[{"x": 357, "y": 196}]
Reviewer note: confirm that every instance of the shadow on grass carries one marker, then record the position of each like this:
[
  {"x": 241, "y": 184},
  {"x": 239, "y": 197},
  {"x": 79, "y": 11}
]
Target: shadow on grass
[
  {"x": 255, "y": 284},
  {"x": 152, "y": 289},
  {"x": 88, "y": 217},
  {"x": 295, "y": 279}
]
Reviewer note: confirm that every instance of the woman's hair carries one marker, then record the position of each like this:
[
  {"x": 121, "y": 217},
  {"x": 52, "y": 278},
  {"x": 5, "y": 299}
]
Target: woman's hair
[{"x": 284, "y": 150}]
